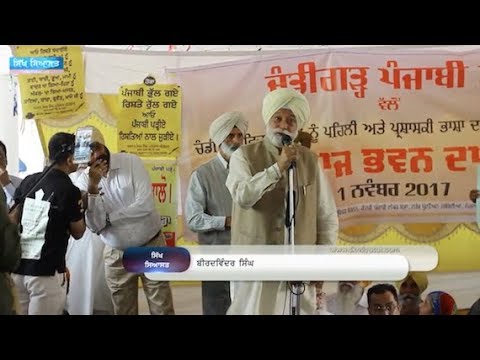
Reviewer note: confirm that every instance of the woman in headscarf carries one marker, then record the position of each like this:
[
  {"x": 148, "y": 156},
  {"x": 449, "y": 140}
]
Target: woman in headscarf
[{"x": 438, "y": 303}]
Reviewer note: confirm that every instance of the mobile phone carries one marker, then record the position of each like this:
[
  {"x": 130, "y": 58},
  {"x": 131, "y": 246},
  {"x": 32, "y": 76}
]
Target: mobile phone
[{"x": 83, "y": 139}]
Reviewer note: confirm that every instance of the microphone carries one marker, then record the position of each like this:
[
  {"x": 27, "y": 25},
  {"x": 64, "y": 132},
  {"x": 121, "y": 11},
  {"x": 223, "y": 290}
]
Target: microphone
[{"x": 286, "y": 139}]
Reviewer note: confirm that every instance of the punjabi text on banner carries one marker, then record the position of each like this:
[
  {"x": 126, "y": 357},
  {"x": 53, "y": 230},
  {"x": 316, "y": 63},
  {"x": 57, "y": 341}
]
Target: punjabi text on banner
[{"x": 53, "y": 95}]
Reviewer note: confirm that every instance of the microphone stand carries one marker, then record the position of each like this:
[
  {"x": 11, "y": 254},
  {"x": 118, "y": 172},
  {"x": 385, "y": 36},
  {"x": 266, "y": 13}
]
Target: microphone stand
[
  {"x": 295, "y": 292},
  {"x": 295, "y": 286}
]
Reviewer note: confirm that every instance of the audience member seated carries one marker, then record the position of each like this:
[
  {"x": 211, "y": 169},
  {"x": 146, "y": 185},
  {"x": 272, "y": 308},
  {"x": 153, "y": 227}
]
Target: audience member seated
[
  {"x": 383, "y": 300},
  {"x": 475, "y": 308},
  {"x": 350, "y": 299},
  {"x": 410, "y": 290},
  {"x": 438, "y": 303}
]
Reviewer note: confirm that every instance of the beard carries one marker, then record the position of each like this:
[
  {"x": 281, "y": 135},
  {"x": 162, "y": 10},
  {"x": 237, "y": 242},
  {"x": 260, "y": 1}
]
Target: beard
[
  {"x": 228, "y": 150},
  {"x": 275, "y": 136},
  {"x": 409, "y": 304},
  {"x": 348, "y": 298}
]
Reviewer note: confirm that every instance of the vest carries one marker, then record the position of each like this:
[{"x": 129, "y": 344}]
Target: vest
[
  {"x": 264, "y": 223},
  {"x": 212, "y": 175}
]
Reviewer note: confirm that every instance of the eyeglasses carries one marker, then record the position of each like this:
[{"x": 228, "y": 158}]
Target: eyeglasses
[{"x": 390, "y": 307}]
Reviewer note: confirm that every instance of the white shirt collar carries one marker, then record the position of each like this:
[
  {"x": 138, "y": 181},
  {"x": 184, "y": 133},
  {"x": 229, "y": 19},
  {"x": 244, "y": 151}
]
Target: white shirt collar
[{"x": 222, "y": 160}]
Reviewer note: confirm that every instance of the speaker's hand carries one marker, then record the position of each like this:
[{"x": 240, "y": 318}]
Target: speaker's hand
[{"x": 287, "y": 156}]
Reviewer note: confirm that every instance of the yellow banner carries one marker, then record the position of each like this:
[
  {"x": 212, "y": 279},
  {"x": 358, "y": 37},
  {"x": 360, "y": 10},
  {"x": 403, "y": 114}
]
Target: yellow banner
[
  {"x": 163, "y": 174},
  {"x": 150, "y": 120},
  {"x": 53, "y": 95}
]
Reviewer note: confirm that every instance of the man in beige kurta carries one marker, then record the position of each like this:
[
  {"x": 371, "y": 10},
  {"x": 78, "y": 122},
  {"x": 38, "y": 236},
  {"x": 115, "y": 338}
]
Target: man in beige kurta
[{"x": 258, "y": 180}]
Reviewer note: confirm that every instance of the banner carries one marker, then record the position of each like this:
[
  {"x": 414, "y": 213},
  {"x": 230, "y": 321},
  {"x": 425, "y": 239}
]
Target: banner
[
  {"x": 150, "y": 120},
  {"x": 396, "y": 133},
  {"x": 163, "y": 174},
  {"x": 53, "y": 95}
]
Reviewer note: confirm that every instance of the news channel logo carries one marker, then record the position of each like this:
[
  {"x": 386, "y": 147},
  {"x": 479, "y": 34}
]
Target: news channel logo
[{"x": 36, "y": 65}]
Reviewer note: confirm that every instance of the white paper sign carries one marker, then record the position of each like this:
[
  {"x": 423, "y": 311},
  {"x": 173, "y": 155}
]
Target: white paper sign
[{"x": 34, "y": 224}]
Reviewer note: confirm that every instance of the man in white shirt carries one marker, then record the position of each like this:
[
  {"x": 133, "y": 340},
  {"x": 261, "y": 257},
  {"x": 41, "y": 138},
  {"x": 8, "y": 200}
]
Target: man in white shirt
[
  {"x": 124, "y": 215},
  {"x": 9, "y": 182},
  {"x": 208, "y": 206}
]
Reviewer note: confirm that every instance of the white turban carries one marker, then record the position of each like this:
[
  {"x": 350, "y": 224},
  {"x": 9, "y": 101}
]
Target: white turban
[
  {"x": 223, "y": 125},
  {"x": 286, "y": 99},
  {"x": 97, "y": 136}
]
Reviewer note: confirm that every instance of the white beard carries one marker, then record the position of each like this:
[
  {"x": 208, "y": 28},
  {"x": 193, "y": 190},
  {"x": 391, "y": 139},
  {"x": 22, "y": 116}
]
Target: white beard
[
  {"x": 275, "y": 136},
  {"x": 348, "y": 300},
  {"x": 228, "y": 149}
]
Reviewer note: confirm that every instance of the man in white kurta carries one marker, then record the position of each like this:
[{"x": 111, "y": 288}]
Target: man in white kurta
[
  {"x": 89, "y": 293},
  {"x": 257, "y": 182}
]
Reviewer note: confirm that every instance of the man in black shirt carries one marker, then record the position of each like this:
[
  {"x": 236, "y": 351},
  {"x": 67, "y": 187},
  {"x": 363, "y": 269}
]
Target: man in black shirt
[{"x": 49, "y": 215}]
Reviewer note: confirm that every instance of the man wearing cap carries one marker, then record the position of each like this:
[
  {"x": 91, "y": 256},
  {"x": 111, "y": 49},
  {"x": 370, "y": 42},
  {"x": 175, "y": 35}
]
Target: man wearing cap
[
  {"x": 120, "y": 208},
  {"x": 410, "y": 290},
  {"x": 50, "y": 213},
  {"x": 257, "y": 182},
  {"x": 208, "y": 206}
]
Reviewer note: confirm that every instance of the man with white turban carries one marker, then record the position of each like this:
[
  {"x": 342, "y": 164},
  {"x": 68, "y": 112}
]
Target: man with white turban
[
  {"x": 208, "y": 205},
  {"x": 257, "y": 182}
]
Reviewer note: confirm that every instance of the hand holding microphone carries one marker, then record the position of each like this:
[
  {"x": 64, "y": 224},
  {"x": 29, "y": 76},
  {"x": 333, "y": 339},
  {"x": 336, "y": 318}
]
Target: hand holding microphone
[{"x": 288, "y": 156}]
